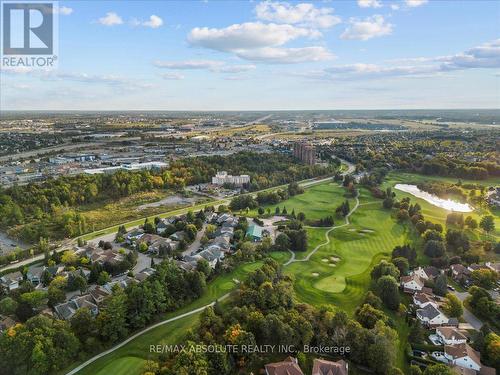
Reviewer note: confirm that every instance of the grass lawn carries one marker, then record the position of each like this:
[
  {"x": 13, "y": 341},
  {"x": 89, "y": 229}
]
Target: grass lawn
[
  {"x": 316, "y": 202},
  {"x": 137, "y": 351},
  {"x": 338, "y": 273}
]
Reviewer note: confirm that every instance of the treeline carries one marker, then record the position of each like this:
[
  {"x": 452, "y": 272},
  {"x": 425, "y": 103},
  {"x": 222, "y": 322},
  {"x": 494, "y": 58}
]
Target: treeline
[
  {"x": 49, "y": 209},
  {"x": 43, "y": 345},
  {"x": 265, "y": 312}
]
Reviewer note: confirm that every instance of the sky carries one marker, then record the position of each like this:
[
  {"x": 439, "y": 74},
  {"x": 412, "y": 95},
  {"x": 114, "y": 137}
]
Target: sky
[{"x": 251, "y": 55}]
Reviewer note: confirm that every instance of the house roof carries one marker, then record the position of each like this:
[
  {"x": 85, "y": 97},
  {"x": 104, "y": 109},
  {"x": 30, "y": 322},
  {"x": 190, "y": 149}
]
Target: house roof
[
  {"x": 287, "y": 367},
  {"x": 423, "y": 298},
  {"x": 462, "y": 350},
  {"x": 429, "y": 312},
  {"x": 462, "y": 371},
  {"x": 408, "y": 279},
  {"x": 432, "y": 271},
  {"x": 254, "y": 230},
  {"x": 450, "y": 333},
  {"x": 322, "y": 367}
]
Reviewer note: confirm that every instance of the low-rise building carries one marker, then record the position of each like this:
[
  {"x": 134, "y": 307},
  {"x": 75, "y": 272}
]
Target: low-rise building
[
  {"x": 450, "y": 336},
  {"x": 66, "y": 310},
  {"x": 431, "y": 316},
  {"x": 412, "y": 283},
  {"x": 223, "y": 177},
  {"x": 423, "y": 299},
  {"x": 323, "y": 367},
  {"x": 12, "y": 280},
  {"x": 287, "y": 367},
  {"x": 463, "y": 356}
]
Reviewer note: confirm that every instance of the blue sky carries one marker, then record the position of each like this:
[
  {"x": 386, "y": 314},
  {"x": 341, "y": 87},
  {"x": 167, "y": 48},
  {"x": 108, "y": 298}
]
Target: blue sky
[{"x": 237, "y": 55}]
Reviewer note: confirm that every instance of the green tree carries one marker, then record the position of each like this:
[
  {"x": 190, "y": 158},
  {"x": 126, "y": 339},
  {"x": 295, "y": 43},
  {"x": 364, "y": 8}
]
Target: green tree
[
  {"x": 384, "y": 268},
  {"x": 112, "y": 318},
  {"x": 387, "y": 287},
  {"x": 438, "y": 370},
  {"x": 368, "y": 316},
  {"x": 441, "y": 285},
  {"x": 453, "y": 306},
  {"x": 103, "y": 278},
  {"x": 8, "y": 306},
  {"x": 487, "y": 223},
  {"x": 402, "y": 264},
  {"x": 282, "y": 242}
]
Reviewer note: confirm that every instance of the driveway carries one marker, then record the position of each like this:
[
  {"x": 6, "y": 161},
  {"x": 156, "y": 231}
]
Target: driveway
[{"x": 469, "y": 317}]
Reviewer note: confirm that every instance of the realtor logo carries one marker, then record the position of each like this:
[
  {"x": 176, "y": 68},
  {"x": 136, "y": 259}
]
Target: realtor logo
[{"x": 29, "y": 34}]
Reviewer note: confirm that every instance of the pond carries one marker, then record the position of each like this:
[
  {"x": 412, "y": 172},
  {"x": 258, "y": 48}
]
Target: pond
[{"x": 447, "y": 204}]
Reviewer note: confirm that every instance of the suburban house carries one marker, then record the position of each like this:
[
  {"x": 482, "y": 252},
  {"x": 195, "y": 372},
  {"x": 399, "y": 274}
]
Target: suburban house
[
  {"x": 144, "y": 274},
  {"x": 99, "y": 294},
  {"x": 6, "y": 323},
  {"x": 430, "y": 316},
  {"x": 211, "y": 254},
  {"x": 322, "y": 367},
  {"x": 287, "y": 367},
  {"x": 423, "y": 299},
  {"x": 426, "y": 273},
  {"x": 412, "y": 283},
  {"x": 450, "y": 336},
  {"x": 11, "y": 280},
  {"x": 66, "y": 310},
  {"x": 463, "y": 356},
  {"x": 107, "y": 256},
  {"x": 34, "y": 274},
  {"x": 254, "y": 231},
  {"x": 162, "y": 225},
  {"x": 178, "y": 236},
  {"x": 459, "y": 273},
  {"x": 134, "y": 235},
  {"x": 494, "y": 266}
]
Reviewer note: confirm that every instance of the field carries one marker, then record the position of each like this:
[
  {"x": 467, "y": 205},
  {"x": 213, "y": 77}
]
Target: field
[
  {"x": 316, "y": 202},
  {"x": 137, "y": 351}
]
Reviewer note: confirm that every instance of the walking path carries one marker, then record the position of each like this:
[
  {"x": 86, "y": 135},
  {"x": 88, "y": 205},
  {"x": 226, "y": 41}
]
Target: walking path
[
  {"x": 327, "y": 237},
  {"x": 100, "y": 355}
]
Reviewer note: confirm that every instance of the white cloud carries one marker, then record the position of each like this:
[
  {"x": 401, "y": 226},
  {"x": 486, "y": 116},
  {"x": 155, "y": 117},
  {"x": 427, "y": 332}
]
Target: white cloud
[
  {"x": 256, "y": 41},
  {"x": 395, "y": 6},
  {"x": 211, "y": 65},
  {"x": 154, "y": 22},
  {"x": 369, "y": 4},
  {"x": 304, "y": 14},
  {"x": 275, "y": 55},
  {"x": 415, "y": 3},
  {"x": 65, "y": 11},
  {"x": 247, "y": 35},
  {"x": 110, "y": 19},
  {"x": 485, "y": 56},
  {"x": 172, "y": 76},
  {"x": 368, "y": 28}
]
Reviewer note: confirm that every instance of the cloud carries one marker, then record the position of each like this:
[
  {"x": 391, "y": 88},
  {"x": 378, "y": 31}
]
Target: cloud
[
  {"x": 215, "y": 66},
  {"x": 172, "y": 76},
  {"x": 247, "y": 35},
  {"x": 369, "y": 4},
  {"x": 65, "y": 11},
  {"x": 256, "y": 41},
  {"x": 395, "y": 6},
  {"x": 368, "y": 28},
  {"x": 303, "y": 14},
  {"x": 154, "y": 22},
  {"x": 110, "y": 19},
  {"x": 485, "y": 56},
  {"x": 274, "y": 55},
  {"x": 415, "y": 3}
]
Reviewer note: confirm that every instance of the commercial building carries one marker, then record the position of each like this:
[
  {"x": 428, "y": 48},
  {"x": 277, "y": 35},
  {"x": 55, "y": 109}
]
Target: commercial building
[{"x": 222, "y": 178}]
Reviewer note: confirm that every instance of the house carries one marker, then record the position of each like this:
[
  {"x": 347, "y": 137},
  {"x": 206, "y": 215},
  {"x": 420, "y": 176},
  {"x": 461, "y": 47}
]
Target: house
[
  {"x": 431, "y": 316},
  {"x": 66, "y": 310},
  {"x": 6, "y": 323},
  {"x": 11, "y": 280},
  {"x": 212, "y": 254},
  {"x": 34, "y": 274},
  {"x": 134, "y": 235},
  {"x": 459, "y": 273},
  {"x": 322, "y": 367},
  {"x": 144, "y": 274},
  {"x": 450, "y": 336},
  {"x": 494, "y": 266},
  {"x": 287, "y": 367},
  {"x": 427, "y": 273},
  {"x": 423, "y": 299},
  {"x": 161, "y": 226},
  {"x": 99, "y": 294},
  {"x": 474, "y": 267},
  {"x": 463, "y": 356},
  {"x": 254, "y": 231},
  {"x": 412, "y": 283}
]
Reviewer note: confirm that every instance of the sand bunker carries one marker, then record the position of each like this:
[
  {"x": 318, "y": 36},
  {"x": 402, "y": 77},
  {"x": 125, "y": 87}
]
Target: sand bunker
[
  {"x": 332, "y": 265},
  {"x": 324, "y": 260},
  {"x": 315, "y": 274}
]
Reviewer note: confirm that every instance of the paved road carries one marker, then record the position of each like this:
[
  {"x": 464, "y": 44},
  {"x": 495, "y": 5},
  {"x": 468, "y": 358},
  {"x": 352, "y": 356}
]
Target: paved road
[
  {"x": 100, "y": 355},
  {"x": 469, "y": 317}
]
